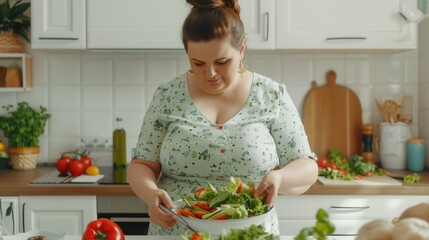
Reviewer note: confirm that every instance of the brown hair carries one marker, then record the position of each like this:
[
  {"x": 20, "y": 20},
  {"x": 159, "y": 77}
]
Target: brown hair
[{"x": 213, "y": 19}]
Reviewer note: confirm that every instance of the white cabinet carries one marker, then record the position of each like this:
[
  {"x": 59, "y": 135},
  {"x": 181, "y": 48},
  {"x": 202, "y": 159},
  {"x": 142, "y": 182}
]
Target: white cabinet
[
  {"x": 9, "y": 215},
  {"x": 258, "y": 19},
  {"x": 69, "y": 214},
  {"x": 20, "y": 76},
  {"x": 58, "y": 24},
  {"x": 343, "y": 24},
  {"x": 347, "y": 212},
  {"x": 135, "y": 24}
]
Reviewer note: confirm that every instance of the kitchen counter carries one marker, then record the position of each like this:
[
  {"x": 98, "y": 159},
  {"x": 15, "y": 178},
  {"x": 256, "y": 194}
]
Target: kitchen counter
[{"x": 16, "y": 182}]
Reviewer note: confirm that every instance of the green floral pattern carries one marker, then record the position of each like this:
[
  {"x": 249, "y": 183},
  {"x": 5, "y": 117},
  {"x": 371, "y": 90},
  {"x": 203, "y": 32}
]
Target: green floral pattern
[{"x": 193, "y": 151}]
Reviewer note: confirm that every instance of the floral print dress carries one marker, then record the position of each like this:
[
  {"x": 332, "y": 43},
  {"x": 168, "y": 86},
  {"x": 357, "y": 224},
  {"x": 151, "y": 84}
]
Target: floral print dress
[{"x": 193, "y": 151}]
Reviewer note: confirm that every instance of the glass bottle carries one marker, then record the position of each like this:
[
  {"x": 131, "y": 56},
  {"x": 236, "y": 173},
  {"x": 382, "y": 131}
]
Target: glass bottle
[{"x": 119, "y": 153}]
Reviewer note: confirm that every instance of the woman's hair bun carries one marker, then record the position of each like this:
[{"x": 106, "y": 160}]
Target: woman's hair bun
[{"x": 211, "y": 4}]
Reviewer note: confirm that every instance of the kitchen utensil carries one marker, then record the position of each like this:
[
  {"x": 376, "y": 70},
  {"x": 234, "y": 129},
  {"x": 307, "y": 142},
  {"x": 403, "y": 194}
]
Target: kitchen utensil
[
  {"x": 332, "y": 118},
  {"x": 179, "y": 218},
  {"x": 393, "y": 137},
  {"x": 406, "y": 113},
  {"x": 392, "y": 110},
  {"x": 382, "y": 111}
]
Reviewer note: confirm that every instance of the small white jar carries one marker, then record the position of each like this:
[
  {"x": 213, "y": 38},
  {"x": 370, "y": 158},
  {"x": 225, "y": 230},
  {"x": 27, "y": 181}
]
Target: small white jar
[{"x": 393, "y": 138}]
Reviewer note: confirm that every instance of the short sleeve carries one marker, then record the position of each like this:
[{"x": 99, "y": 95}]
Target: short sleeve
[
  {"x": 153, "y": 130},
  {"x": 288, "y": 131}
]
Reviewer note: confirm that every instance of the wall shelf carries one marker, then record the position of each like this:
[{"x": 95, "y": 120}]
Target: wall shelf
[{"x": 25, "y": 63}]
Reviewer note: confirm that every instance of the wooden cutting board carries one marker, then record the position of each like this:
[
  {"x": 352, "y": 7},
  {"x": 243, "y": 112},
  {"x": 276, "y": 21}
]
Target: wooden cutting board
[
  {"x": 333, "y": 118},
  {"x": 373, "y": 180}
]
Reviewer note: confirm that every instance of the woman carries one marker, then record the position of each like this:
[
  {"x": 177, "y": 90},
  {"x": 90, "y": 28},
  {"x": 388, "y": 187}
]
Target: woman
[{"x": 218, "y": 120}]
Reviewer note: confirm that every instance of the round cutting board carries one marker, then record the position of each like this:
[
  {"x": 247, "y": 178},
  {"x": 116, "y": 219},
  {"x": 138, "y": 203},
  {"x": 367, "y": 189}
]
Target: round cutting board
[{"x": 333, "y": 119}]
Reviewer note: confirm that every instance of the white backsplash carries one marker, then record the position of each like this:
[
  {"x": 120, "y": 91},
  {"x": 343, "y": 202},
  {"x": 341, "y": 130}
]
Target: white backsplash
[
  {"x": 423, "y": 107},
  {"x": 85, "y": 91}
]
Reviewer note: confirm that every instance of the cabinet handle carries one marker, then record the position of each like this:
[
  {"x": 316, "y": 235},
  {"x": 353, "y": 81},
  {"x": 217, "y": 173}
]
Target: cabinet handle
[
  {"x": 267, "y": 25},
  {"x": 349, "y": 208},
  {"x": 23, "y": 217},
  {"x": 345, "y": 38},
  {"x": 57, "y": 38}
]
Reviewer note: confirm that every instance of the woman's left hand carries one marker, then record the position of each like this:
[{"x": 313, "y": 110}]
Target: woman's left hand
[{"x": 269, "y": 187}]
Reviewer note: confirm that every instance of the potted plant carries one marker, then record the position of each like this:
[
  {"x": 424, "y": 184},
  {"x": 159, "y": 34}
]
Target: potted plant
[
  {"x": 13, "y": 23},
  {"x": 22, "y": 127}
]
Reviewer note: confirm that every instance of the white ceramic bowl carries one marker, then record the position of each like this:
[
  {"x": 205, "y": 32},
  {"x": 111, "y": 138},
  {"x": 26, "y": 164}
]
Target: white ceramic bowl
[{"x": 219, "y": 227}]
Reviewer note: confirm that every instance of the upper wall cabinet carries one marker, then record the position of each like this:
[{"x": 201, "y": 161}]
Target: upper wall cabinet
[
  {"x": 258, "y": 19},
  {"x": 343, "y": 24},
  {"x": 58, "y": 24},
  {"x": 135, "y": 24}
]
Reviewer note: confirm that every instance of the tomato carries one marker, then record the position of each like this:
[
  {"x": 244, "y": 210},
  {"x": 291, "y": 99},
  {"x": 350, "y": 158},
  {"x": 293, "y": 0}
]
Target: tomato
[
  {"x": 196, "y": 236},
  {"x": 76, "y": 168},
  {"x": 92, "y": 171},
  {"x": 246, "y": 187},
  {"x": 332, "y": 166},
  {"x": 103, "y": 228},
  {"x": 343, "y": 172},
  {"x": 87, "y": 161},
  {"x": 63, "y": 164},
  {"x": 368, "y": 174},
  {"x": 322, "y": 162}
]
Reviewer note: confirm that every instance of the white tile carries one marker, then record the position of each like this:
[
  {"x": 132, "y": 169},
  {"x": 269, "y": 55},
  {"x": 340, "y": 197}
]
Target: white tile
[
  {"x": 413, "y": 91},
  {"x": 60, "y": 145},
  {"x": 128, "y": 70},
  {"x": 387, "y": 69},
  {"x": 424, "y": 69},
  {"x": 64, "y": 69},
  {"x": 423, "y": 42},
  {"x": 37, "y": 96},
  {"x": 129, "y": 98},
  {"x": 7, "y": 98},
  {"x": 424, "y": 97},
  {"x": 40, "y": 69},
  {"x": 65, "y": 124},
  {"x": 97, "y": 69},
  {"x": 323, "y": 64},
  {"x": 97, "y": 124},
  {"x": 97, "y": 98},
  {"x": 44, "y": 149},
  {"x": 160, "y": 69},
  {"x": 132, "y": 122},
  {"x": 268, "y": 65},
  {"x": 297, "y": 69},
  {"x": 411, "y": 70},
  {"x": 64, "y": 98},
  {"x": 364, "y": 94},
  {"x": 297, "y": 92},
  {"x": 357, "y": 69}
]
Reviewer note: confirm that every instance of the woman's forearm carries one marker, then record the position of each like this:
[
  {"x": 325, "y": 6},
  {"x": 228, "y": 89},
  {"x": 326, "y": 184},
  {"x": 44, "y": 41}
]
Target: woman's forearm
[
  {"x": 298, "y": 176},
  {"x": 142, "y": 178}
]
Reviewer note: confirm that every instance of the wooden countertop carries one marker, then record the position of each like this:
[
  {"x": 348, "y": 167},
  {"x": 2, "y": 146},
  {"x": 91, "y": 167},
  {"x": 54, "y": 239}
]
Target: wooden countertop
[{"x": 16, "y": 182}]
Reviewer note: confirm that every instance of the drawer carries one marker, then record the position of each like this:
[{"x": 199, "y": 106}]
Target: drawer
[{"x": 346, "y": 206}]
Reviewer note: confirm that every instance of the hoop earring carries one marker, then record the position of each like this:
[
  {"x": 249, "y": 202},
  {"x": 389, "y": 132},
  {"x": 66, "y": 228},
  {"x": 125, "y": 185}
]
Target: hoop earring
[{"x": 190, "y": 71}]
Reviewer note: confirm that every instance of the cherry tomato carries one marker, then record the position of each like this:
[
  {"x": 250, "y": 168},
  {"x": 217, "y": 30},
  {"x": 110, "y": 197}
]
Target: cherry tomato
[
  {"x": 63, "y": 164},
  {"x": 332, "y": 166},
  {"x": 196, "y": 236},
  {"x": 343, "y": 172},
  {"x": 87, "y": 161},
  {"x": 76, "y": 168},
  {"x": 322, "y": 162}
]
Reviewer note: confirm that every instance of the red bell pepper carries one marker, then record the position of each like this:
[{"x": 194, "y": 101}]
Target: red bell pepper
[{"x": 103, "y": 229}]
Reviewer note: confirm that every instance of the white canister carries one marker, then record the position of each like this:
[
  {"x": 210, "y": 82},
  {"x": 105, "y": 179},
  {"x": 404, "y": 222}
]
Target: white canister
[{"x": 393, "y": 138}]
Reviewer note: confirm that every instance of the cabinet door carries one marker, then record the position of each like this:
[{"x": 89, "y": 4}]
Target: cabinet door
[
  {"x": 343, "y": 24},
  {"x": 58, "y": 24},
  {"x": 9, "y": 215},
  {"x": 140, "y": 24},
  {"x": 69, "y": 214},
  {"x": 258, "y": 19}
]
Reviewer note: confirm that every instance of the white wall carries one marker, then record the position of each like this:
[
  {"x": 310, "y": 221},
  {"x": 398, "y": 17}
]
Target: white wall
[{"x": 86, "y": 91}]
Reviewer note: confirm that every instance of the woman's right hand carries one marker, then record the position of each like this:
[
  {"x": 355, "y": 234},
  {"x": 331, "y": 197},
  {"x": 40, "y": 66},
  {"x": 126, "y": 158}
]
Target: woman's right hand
[{"x": 158, "y": 216}]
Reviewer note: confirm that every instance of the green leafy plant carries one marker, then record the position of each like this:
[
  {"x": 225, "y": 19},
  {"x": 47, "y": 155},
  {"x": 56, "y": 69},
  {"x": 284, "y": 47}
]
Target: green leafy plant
[
  {"x": 24, "y": 125},
  {"x": 12, "y": 19}
]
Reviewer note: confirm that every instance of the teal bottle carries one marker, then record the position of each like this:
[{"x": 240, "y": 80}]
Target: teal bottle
[{"x": 119, "y": 153}]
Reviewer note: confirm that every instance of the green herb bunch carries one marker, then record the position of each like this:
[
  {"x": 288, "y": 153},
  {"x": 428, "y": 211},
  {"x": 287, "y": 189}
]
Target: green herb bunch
[
  {"x": 24, "y": 125},
  {"x": 12, "y": 19}
]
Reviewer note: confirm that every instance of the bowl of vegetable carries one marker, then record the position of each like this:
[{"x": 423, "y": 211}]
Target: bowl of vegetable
[{"x": 217, "y": 211}]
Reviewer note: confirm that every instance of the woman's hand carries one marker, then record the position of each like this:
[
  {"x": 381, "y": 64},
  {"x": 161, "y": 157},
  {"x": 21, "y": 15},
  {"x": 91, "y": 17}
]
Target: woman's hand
[
  {"x": 269, "y": 187},
  {"x": 158, "y": 216}
]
